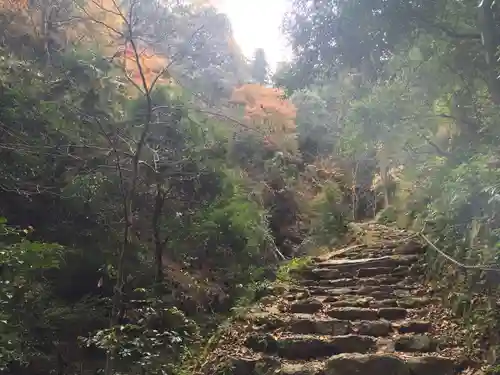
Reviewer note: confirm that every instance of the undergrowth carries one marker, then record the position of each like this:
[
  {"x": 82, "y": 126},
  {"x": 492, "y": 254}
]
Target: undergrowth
[{"x": 286, "y": 270}]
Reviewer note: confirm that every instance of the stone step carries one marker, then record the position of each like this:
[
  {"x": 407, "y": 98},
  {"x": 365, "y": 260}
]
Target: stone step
[
  {"x": 310, "y": 324},
  {"x": 250, "y": 365},
  {"x": 306, "y": 306},
  {"x": 301, "y": 368},
  {"x": 302, "y": 324},
  {"x": 410, "y": 248},
  {"x": 306, "y": 347},
  {"x": 348, "y": 301},
  {"x": 413, "y": 326},
  {"x": 386, "y": 364},
  {"x": 379, "y": 292},
  {"x": 416, "y": 302},
  {"x": 321, "y": 326},
  {"x": 367, "y": 301},
  {"x": 352, "y": 265},
  {"x": 361, "y": 313},
  {"x": 317, "y": 274},
  {"x": 368, "y": 281},
  {"x": 366, "y": 251}
]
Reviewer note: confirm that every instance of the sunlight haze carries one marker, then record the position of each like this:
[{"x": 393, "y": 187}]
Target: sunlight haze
[{"x": 256, "y": 24}]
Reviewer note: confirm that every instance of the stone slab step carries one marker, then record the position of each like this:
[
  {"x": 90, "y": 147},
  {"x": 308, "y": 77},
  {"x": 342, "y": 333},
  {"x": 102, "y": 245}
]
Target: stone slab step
[
  {"x": 361, "y": 313},
  {"x": 416, "y": 302},
  {"x": 384, "y": 364},
  {"x": 373, "y": 364},
  {"x": 347, "y": 301},
  {"x": 306, "y": 306},
  {"x": 350, "y": 265},
  {"x": 305, "y": 347},
  {"x": 355, "y": 281},
  {"x": 319, "y": 326},
  {"x": 414, "y": 326},
  {"x": 250, "y": 365},
  {"x": 407, "y": 248},
  {"x": 332, "y": 274},
  {"x": 398, "y": 290},
  {"x": 301, "y": 368},
  {"x": 310, "y": 324},
  {"x": 302, "y": 324},
  {"x": 371, "y": 251},
  {"x": 367, "y": 301}
]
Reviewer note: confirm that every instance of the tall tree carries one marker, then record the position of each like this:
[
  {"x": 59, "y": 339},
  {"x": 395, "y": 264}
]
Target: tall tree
[
  {"x": 260, "y": 67},
  {"x": 211, "y": 64},
  {"x": 330, "y": 35}
]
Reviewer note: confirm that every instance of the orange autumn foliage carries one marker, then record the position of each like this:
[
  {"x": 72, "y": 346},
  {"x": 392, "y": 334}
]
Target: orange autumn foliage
[
  {"x": 13, "y": 4},
  {"x": 152, "y": 66},
  {"x": 266, "y": 110}
]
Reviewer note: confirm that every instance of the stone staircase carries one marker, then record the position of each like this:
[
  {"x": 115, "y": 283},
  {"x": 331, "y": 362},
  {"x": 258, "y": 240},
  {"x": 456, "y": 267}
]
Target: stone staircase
[{"x": 359, "y": 311}]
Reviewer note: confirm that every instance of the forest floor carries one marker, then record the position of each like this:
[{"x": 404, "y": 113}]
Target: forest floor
[{"x": 361, "y": 309}]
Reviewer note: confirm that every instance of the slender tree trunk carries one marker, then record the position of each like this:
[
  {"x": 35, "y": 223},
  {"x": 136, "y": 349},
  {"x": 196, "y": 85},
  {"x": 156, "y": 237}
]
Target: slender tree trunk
[
  {"x": 489, "y": 36},
  {"x": 384, "y": 173},
  {"x": 158, "y": 210},
  {"x": 385, "y": 181}
]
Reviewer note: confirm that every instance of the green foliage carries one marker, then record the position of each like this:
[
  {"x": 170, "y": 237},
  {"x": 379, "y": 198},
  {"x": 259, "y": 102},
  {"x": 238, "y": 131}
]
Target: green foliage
[
  {"x": 65, "y": 170},
  {"x": 247, "y": 295},
  {"x": 154, "y": 340},
  {"x": 387, "y": 216},
  {"x": 314, "y": 123},
  {"x": 461, "y": 213},
  {"x": 231, "y": 228},
  {"x": 24, "y": 295},
  {"x": 286, "y": 271},
  {"x": 331, "y": 216},
  {"x": 259, "y": 67}
]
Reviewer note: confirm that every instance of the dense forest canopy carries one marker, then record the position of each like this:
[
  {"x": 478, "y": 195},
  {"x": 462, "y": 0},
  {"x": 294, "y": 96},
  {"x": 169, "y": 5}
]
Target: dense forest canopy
[{"x": 152, "y": 177}]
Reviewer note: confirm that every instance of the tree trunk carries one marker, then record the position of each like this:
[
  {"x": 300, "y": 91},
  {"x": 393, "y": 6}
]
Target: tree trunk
[
  {"x": 158, "y": 209},
  {"x": 489, "y": 36}
]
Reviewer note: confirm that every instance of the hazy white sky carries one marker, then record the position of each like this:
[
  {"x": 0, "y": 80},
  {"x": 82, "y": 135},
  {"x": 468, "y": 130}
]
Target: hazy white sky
[{"x": 256, "y": 24}]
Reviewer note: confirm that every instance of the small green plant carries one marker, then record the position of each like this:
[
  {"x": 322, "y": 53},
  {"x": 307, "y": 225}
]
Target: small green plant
[
  {"x": 286, "y": 271},
  {"x": 387, "y": 216}
]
